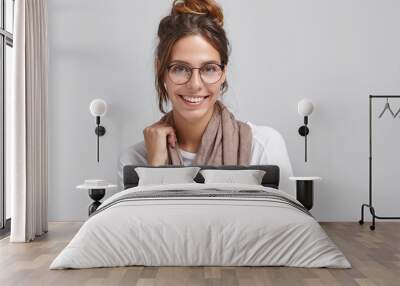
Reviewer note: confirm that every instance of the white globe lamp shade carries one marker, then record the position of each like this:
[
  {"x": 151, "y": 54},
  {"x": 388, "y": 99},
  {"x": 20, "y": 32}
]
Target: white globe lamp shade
[
  {"x": 305, "y": 107},
  {"x": 98, "y": 107}
]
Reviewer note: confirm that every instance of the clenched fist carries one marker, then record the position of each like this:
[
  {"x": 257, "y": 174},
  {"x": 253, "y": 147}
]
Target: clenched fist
[{"x": 156, "y": 138}]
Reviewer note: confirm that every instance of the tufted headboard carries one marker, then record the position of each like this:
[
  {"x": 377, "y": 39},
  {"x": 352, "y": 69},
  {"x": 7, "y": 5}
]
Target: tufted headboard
[{"x": 270, "y": 179}]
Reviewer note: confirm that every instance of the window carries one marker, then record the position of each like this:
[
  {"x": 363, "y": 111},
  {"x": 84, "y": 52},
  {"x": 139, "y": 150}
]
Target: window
[{"x": 6, "y": 61}]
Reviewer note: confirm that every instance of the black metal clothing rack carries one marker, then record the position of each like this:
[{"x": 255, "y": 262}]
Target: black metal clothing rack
[{"x": 369, "y": 205}]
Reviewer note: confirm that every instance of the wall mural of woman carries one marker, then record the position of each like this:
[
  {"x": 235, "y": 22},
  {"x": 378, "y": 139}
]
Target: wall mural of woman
[{"x": 191, "y": 66}]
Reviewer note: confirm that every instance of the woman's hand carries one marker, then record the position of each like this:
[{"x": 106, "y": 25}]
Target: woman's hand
[{"x": 156, "y": 138}]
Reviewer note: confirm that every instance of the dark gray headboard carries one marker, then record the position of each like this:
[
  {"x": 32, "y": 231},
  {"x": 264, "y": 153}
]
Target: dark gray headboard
[{"x": 270, "y": 179}]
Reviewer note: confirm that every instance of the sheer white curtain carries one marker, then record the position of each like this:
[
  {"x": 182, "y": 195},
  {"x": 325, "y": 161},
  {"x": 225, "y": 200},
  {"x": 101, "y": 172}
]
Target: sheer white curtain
[{"x": 27, "y": 122}]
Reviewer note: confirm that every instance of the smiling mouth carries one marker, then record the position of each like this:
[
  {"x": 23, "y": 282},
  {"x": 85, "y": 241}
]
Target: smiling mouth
[{"x": 194, "y": 100}]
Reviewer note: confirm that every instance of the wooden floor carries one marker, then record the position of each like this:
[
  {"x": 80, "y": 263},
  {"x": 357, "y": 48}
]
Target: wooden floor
[{"x": 374, "y": 255}]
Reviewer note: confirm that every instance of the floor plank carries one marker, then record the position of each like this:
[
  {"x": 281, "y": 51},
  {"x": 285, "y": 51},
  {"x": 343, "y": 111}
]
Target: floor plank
[{"x": 374, "y": 255}]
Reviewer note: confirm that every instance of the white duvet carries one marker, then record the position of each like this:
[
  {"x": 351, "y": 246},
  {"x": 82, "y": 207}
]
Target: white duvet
[{"x": 200, "y": 231}]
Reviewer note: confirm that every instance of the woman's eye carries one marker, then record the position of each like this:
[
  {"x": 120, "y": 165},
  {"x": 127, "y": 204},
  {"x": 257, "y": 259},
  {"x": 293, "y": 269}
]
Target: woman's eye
[
  {"x": 210, "y": 68},
  {"x": 180, "y": 68}
]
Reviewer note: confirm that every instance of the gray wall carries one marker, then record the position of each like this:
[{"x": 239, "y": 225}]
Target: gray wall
[{"x": 335, "y": 53}]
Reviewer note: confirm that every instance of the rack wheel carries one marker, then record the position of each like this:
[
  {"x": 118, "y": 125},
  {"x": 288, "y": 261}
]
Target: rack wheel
[
  {"x": 361, "y": 222},
  {"x": 372, "y": 227}
]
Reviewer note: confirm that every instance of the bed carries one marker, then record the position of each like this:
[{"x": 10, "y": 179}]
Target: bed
[{"x": 201, "y": 224}]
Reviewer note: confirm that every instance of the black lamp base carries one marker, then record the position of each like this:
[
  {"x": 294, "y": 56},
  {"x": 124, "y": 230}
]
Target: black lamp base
[
  {"x": 303, "y": 130},
  {"x": 100, "y": 130}
]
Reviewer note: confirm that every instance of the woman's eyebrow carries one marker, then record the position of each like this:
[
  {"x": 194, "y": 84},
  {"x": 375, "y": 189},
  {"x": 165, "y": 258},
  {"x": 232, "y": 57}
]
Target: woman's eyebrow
[{"x": 206, "y": 62}]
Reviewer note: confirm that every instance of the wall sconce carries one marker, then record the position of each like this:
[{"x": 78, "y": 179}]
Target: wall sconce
[
  {"x": 98, "y": 108},
  {"x": 305, "y": 108}
]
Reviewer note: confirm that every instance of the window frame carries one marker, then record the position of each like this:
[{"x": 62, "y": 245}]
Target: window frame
[{"x": 6, "y": 39}]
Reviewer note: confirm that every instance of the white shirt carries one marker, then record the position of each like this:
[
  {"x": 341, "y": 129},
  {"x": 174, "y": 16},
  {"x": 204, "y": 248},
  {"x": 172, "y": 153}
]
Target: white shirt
[
  {"x": 187, "y": 157},
  {"x": 268, "y": 148}
]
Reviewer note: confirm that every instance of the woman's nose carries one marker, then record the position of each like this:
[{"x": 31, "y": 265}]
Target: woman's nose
[{"x": 195, "y": 81}]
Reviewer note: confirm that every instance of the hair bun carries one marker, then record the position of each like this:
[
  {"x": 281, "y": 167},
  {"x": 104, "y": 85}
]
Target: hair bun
[{"x": 199, "y": 7}]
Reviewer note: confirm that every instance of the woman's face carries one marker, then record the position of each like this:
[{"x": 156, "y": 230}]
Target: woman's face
[{"x": 194, "y": 51}]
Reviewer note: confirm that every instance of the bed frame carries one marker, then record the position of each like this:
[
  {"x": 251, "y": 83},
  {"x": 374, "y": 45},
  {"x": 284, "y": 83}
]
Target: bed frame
[{"x": 270, "y": 179}]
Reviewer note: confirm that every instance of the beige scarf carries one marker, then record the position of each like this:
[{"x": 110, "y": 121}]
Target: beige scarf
[{"x": 226, "y": 141}]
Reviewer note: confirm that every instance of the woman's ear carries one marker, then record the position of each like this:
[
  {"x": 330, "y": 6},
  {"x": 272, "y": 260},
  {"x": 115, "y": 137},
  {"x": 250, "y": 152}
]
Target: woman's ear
[
  {"x": 224, "y": 78},
  {"x": 225, "y": 73}
]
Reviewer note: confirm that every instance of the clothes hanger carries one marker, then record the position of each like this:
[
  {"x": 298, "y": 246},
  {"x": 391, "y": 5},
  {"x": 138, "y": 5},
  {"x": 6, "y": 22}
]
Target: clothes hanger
[
  {"x": 398, "y": 111},
  {"x": 387, "y": 106}
]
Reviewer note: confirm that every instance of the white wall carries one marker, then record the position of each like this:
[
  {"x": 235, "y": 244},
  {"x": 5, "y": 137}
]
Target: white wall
[{"x": 335, "y": 53}]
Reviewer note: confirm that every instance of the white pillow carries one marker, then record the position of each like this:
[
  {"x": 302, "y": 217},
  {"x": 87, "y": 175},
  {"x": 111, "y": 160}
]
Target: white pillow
[
  {"x": 248, "y": 176},
  {"x": 161, "y": 176}
]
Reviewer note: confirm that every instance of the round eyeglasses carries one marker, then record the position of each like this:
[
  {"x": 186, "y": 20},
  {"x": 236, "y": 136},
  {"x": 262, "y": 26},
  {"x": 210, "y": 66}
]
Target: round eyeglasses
[{"x": 181, "y": 73}]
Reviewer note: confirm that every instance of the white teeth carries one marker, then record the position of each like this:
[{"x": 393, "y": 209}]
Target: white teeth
[{"x": 193, "y": 99}]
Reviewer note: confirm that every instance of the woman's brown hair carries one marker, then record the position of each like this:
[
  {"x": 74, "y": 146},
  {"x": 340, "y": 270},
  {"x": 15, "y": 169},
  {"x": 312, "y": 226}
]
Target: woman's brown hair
[{"x": 189, "y": 17}]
